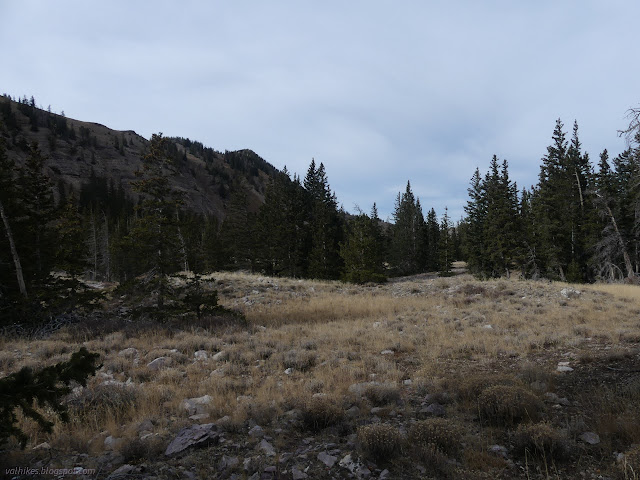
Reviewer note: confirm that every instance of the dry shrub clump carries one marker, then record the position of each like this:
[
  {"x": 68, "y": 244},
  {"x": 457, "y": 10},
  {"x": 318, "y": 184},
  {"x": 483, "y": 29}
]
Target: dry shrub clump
[
  {"x": 320, "y": 412},
  {"x": 439, "y": 433},
  {"x": 104, "y": 402},
  {"x": 301, "y": 361},
  {"x": 382, "y": 394},
  {"x": 139, "y": 449},
  {"x": 542, "y": 441},
  {"x": 509, "y": 405},
  {"x": 470, "y": 387},
  {"x": 629, "y": 464},
  {"x": 380, "y": 441}
]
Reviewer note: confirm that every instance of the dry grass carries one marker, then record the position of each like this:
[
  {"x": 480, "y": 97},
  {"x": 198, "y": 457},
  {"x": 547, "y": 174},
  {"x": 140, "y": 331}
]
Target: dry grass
[{"x": 453, "y": 337}]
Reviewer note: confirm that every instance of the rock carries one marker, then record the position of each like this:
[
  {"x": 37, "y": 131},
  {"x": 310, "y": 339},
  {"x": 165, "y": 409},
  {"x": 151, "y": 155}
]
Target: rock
[
  {"x": 376, "y": 410},
  {"x": 553, "y": 398},
  {"x": 407, "y": 382},
  {"x": 298, "y": 474},
  {"x": 564, "y": 368},
  {"x": 199, "y": 416},
  {"x": 353, "y": 412},
  {"x": 487, "y": 327},
  {"x": 590, "y": 437},
  {"x": 267, "y": 448},
  {"x": 220, "y": 356},
  {"x": 228, "y": 462},
  {"x": 256, "y": 432},
  {"x": 289, "y": 371},
  {"x": 158, "y": 363},
  {"x": 42, "y": 446},
  {"x": 196, "y": 405},
  {"x": 328, "y": 460},
  {"x": 387, "y": 352},
  {"x": 200, "y": 355},
  {"x": 122, "y": 472},
  {"x": 498, "y": 451},
  {"x": 384, "y": 474},
  {"x": 145, "y": 426},
  {"x": 128, "y": 352},
  {"x": 435, "y": 410},
  {"x": 193, "y": 436},
  {"x": 377, "y": 324},
  {"x": 570, "y": 292},
  {"x": 348, "y": 463},
  {"x": 111, "y": 442}
]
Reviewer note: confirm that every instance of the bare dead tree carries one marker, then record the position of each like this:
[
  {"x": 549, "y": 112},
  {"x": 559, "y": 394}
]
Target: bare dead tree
[
  {"x": 632, "y": 132},
  {"x": 14, "y": 252}
]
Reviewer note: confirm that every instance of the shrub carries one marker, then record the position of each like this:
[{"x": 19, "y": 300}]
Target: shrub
[
  {"x": 508, "y": 405},
  {"x": 104, "y": 402},
  {"x": 541, "y": 441},
  {"x": 382, "y": 394},
  {"x": 137, "y": 449},
  {"x": 629, "y": 465},
  {"x": 380, "y": 441},
  {"x": 442, "y": 434},
  {"x": 300, "y": 361},
  {"x": 43, "y": 388},
  {"x": 320, "y": 412}
]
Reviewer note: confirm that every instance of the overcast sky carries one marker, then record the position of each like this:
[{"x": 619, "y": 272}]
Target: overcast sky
[{"x": 381, "y": 92}]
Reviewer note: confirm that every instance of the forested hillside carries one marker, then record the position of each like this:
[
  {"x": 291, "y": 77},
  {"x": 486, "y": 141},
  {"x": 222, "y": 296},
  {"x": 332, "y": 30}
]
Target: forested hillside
[{"x": 96, "y": 204}]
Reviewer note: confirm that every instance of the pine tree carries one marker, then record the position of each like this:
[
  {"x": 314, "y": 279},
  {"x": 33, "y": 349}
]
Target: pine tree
[
  {"x": 476, "y": 210},
  {"x": 154, "y": 236},
  {"x": 36, "y": 213},
  {"x": 362, "y": 251},
  {"x": 445, "y": 247},
  {"x": 432, "y": 240},
  {"x": 407, "y": 234}
]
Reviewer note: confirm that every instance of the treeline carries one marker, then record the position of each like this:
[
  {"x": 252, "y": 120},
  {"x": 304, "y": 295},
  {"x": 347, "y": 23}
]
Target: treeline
[
  {"x": 577, "y": 224},
  {"x": 99, "y": 233}
]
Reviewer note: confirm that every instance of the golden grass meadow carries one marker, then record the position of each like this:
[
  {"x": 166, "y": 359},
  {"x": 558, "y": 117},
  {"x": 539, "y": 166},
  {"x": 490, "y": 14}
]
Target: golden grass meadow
[{"x": 421, "y": 377}]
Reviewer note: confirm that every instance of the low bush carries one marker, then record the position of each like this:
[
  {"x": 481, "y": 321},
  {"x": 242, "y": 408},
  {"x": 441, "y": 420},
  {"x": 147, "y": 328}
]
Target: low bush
[
  {"x": 509, "y": 405},
  {"x": 380, "y": 442},
  {"x": 541, "y": 441},
  {"x": 442, "y": 434}
]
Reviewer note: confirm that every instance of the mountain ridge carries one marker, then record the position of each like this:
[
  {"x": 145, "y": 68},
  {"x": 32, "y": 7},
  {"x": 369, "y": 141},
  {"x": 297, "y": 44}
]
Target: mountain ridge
[{"x": 75, "y": 150}]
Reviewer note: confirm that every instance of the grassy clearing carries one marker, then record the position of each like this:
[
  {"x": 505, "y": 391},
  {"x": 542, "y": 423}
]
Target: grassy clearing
[{"x": 308, "y": 343}]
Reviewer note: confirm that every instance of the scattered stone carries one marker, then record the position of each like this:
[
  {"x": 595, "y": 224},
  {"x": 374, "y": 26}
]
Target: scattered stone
[
  {"x": 196, "y": 406},
  {"x": 376, "y": 410},
  {"x": 407, "y": 382},
  {"x": 145, "y": 426},
  {"x": 551, "y": 397},
  {"x": 387, "y": 352},
  {"x": 298, "y": 474},
  {"x": 384, "y": 474},
  {"x": 488, "y": 327},
  {"x": 228, "y": 462},
  {"x": 220, "y": 356},
  {"x": 111, "y": 442},
  {"x": 128, "y": 352},
  {"x": 289, "y": 371},
  {"x": 267, "y": 448},
  {"x": 353, "y": 412},
  {"x": 193, "y": 436},
  {"x": 42, "y": 446},
  {"x": 328, "y": 460},
  {"x": 201, "y": 355},
  {"x": 570, "y": 292},
  {"x": 256, "y": 432},
  {"x": 157, "y": 364},
  {"x": 564, "y": 368},
  {"x": 199, "y": 416},
  {"x": 498, "y": 451},
  {"x": 319, "y": 395},
  {"x": 590, "y": 437},
  {"x": 377, "y": 324},
  {"x": 122, "y": 472},
  {"x": 435, "y": 410}
]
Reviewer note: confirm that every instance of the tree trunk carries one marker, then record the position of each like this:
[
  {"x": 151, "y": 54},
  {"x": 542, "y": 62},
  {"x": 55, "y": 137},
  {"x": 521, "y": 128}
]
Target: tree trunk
[
  {"x": 625, "y": 254},
  {"x": 14, "y": 253}
]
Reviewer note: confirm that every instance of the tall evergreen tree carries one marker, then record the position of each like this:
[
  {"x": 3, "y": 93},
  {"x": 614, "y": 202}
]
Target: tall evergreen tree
[{"x": 407, "y": 234}]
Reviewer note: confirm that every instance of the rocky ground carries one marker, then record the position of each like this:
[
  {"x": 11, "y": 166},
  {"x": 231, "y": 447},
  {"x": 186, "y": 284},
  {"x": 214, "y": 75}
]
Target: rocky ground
[{"x": 423, "y": 377}]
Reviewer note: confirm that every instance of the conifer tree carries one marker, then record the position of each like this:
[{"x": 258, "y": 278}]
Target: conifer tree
[
  {"x": 362, "y": 250},
  {"x": 445, "y": 247},
  {"x": 432, "y": 240},
  {"x": 154, "y": 236},
  {"x": 407, "y": 234}
]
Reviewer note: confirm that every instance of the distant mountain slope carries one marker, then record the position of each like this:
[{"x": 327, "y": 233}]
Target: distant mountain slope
[{"x": 76, "y": 150}]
